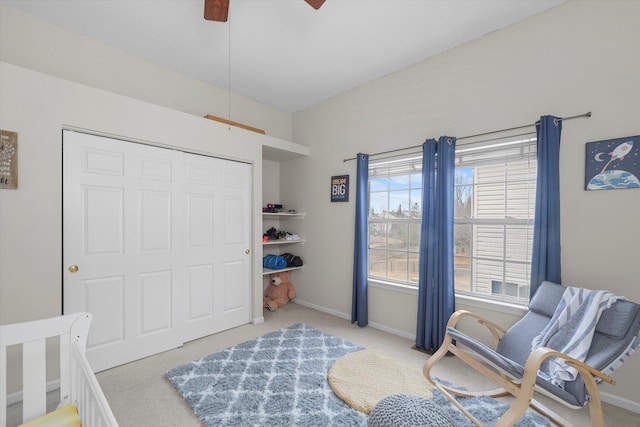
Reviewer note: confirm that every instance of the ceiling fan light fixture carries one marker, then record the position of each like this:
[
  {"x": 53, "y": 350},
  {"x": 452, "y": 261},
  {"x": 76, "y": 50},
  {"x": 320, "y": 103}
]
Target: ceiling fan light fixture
[
  {"x": 216, "y": 10},
  {"x": 315, "y": 3}
]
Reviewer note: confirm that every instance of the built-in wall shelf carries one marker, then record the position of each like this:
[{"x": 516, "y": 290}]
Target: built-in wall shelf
[
  {"x": 267, "y": 271},
  {"x": 283, "y": 242},
  {"x": 282, "y": 215},
  {"x": 279, "y": 150},
  {"x": 278, "y": 216}
]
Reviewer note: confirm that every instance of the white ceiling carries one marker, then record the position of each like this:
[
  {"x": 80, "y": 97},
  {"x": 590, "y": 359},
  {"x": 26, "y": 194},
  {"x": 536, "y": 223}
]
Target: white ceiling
[{"x": 283, "y": 53}]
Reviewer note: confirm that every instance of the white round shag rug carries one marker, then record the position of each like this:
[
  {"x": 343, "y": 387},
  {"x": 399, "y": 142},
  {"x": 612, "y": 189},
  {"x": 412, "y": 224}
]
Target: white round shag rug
[{"x": 363, "y": 378}]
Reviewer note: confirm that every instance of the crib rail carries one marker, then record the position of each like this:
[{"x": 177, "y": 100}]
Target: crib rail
[
  {"x": 86, "y": 393},
  {"x": 78, "y": 384}
]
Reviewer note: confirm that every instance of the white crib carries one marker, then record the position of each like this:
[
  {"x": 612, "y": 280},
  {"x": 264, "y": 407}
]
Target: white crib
[{"x": 78, "y": 384}]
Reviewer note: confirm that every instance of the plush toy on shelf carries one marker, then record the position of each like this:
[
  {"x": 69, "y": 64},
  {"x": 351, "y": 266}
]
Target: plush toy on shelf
[{"x": 279, "y": 292}]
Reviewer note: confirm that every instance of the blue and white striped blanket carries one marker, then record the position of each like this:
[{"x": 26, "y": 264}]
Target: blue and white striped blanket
[{"x": 573, "y": 324}]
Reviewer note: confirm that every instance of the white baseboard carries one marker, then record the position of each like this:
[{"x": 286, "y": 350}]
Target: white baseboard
[
  {"x": 257, "y": 320},
  {"x": 374, "y": 325},
  {"x": 620, "y": 402},
  {"x": 17, "y": 396},
  {"x": 393, "y": 331},
  {"x": 611, "y": 399},
  {"x": 323, "y": 309}
]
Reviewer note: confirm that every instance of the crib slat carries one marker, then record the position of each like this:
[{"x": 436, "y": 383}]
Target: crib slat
[
  {"x": 65, "y": 370},
  {"x": 92, "y": 405},
  {"x": 34, "y": 378}
]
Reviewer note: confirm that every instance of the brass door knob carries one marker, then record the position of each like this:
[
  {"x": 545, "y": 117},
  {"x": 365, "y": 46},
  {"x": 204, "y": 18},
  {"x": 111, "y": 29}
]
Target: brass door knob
[
  {"x": 73, "y": 269},
  {"x": 247, "y": 251}
]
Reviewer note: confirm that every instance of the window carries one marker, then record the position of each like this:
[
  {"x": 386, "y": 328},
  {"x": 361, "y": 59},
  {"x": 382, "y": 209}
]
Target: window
[
  {"x": 499, "y": 288},
  {"x": 493, "y": 225},
  {"x": 395, "y": 210}
]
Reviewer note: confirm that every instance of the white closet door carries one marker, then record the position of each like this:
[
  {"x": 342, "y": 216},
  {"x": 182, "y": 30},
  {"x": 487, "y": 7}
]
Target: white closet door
[
  {"x": 130, "y": 225},
  {"x": 217, "y": 242}
]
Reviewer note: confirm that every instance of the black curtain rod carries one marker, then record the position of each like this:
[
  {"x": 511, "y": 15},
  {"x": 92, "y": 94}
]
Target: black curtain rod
[{"x": 587, "y": 114}]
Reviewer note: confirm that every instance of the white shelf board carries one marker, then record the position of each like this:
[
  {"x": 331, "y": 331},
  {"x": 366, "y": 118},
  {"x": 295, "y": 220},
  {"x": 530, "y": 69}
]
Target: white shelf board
[
  {"x": 266, "y": 271},
  {"x": 282, "y": 215},
  {"x": 278, "y": 150},
  {"x": 282, "y": 242}
]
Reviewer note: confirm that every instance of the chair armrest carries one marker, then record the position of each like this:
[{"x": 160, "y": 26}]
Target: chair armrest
[
  {"x": 538, "y": 356},
  {"x": 524, "y": 394},
  {"x": 496, "y": 330}
]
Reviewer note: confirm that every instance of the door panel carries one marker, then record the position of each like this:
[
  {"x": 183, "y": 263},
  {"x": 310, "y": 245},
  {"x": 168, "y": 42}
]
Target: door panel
[
  {"x": 102, "y": 162},
  {"x": 155, "y": 221},
  {"x": 199, "y": 220},
  {"x": 233, "y": 220},
  {"x": 200, "y": 292},
  {"x": 210, "y": 184},
  {"x": 160, "y": 238},
  {"x": 103, "y": 222},
  {"x": 235, "y": 271},
  {"x": 154, "y": 168},
  {"x": 234, "y": 296},
  {"x": 118, "y": 229},
  {"x": 104, "y": 298},
  {"x": 156, "y": 301}
]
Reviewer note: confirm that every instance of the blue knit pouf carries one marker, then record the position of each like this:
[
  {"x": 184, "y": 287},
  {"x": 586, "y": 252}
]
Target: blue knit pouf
[{"x": 404, "y": 410}]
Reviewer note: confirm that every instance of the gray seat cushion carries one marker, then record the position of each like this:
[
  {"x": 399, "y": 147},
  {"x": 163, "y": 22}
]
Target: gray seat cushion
[
  {"x": 615, "y": 331},
  {"x": 514, "y": 369},
  {"x": 404, "y": 410}
]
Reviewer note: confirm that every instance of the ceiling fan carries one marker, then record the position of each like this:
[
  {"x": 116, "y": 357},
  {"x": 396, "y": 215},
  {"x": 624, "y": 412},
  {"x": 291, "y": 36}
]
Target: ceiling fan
[{"x": 218, "y": 10}]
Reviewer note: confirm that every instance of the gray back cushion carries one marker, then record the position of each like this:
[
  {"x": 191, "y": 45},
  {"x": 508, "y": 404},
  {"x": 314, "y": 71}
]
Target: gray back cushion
[
  {"x": 546, "y": 298},
  {"x": 614, "y": 322},
  {"x": 615, "y": 330},
  {"x": 516, "y": 344}
]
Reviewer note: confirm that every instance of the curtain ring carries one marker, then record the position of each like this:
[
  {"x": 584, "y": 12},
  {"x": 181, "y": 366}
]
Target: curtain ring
[
  {"x": 449, "y": 141},
  {"x": 556, "y": 121}
]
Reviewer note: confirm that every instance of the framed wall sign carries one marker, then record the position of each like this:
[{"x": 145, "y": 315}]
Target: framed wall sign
[
  {"x": 612, "y": 164},
  {"x": 340, "y": 188},
  {"x": 8, "y": 159}
]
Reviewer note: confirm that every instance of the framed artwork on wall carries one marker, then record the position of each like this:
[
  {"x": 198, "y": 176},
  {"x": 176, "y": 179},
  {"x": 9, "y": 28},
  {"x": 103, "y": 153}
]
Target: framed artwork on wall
[
  {"x": 8, "y": 159},
  {"x": 613, "y": 164},
  {"x": 340, "y": 188}
]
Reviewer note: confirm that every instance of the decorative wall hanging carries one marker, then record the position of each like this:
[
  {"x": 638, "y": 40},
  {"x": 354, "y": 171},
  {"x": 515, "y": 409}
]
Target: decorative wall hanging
[
  {"x": 340, "y": 188},
  {"x": 613, "y": 164},
  {"x": 8, "y": 159}
]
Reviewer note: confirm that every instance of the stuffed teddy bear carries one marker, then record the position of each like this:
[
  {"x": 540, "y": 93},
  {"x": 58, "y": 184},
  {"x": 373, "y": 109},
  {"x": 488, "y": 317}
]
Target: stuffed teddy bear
[{"x": 279, "y": 291}]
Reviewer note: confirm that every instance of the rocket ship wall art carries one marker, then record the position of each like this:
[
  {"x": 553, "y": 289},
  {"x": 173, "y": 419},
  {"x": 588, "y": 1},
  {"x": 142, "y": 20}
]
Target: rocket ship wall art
[{"x": 621, "y": 169}]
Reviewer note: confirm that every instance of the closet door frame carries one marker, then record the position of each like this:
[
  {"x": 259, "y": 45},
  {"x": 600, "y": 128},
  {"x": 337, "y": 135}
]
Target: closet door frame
[{"x": 125, "y": 247}]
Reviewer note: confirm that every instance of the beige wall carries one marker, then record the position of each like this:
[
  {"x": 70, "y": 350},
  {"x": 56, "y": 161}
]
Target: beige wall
[
  {"x": 38, "y": 107},
  {"x": 578, "y": 57},
  {"x": 32, "y": 43},
  {"x": 159, "y": 106},
  {"x": 581, "y": 56}
]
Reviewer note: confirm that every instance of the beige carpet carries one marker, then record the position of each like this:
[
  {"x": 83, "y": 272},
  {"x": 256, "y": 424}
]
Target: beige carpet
[{"x": 363, "y": 378}]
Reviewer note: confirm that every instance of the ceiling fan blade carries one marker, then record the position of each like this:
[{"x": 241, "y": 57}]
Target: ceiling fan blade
[
  {"x": 216, "y": 10},
  {"x": 315, "y": 3}
]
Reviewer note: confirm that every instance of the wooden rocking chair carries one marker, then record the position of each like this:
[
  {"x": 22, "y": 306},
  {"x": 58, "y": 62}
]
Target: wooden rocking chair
[{"x": 519, "y": 371}]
